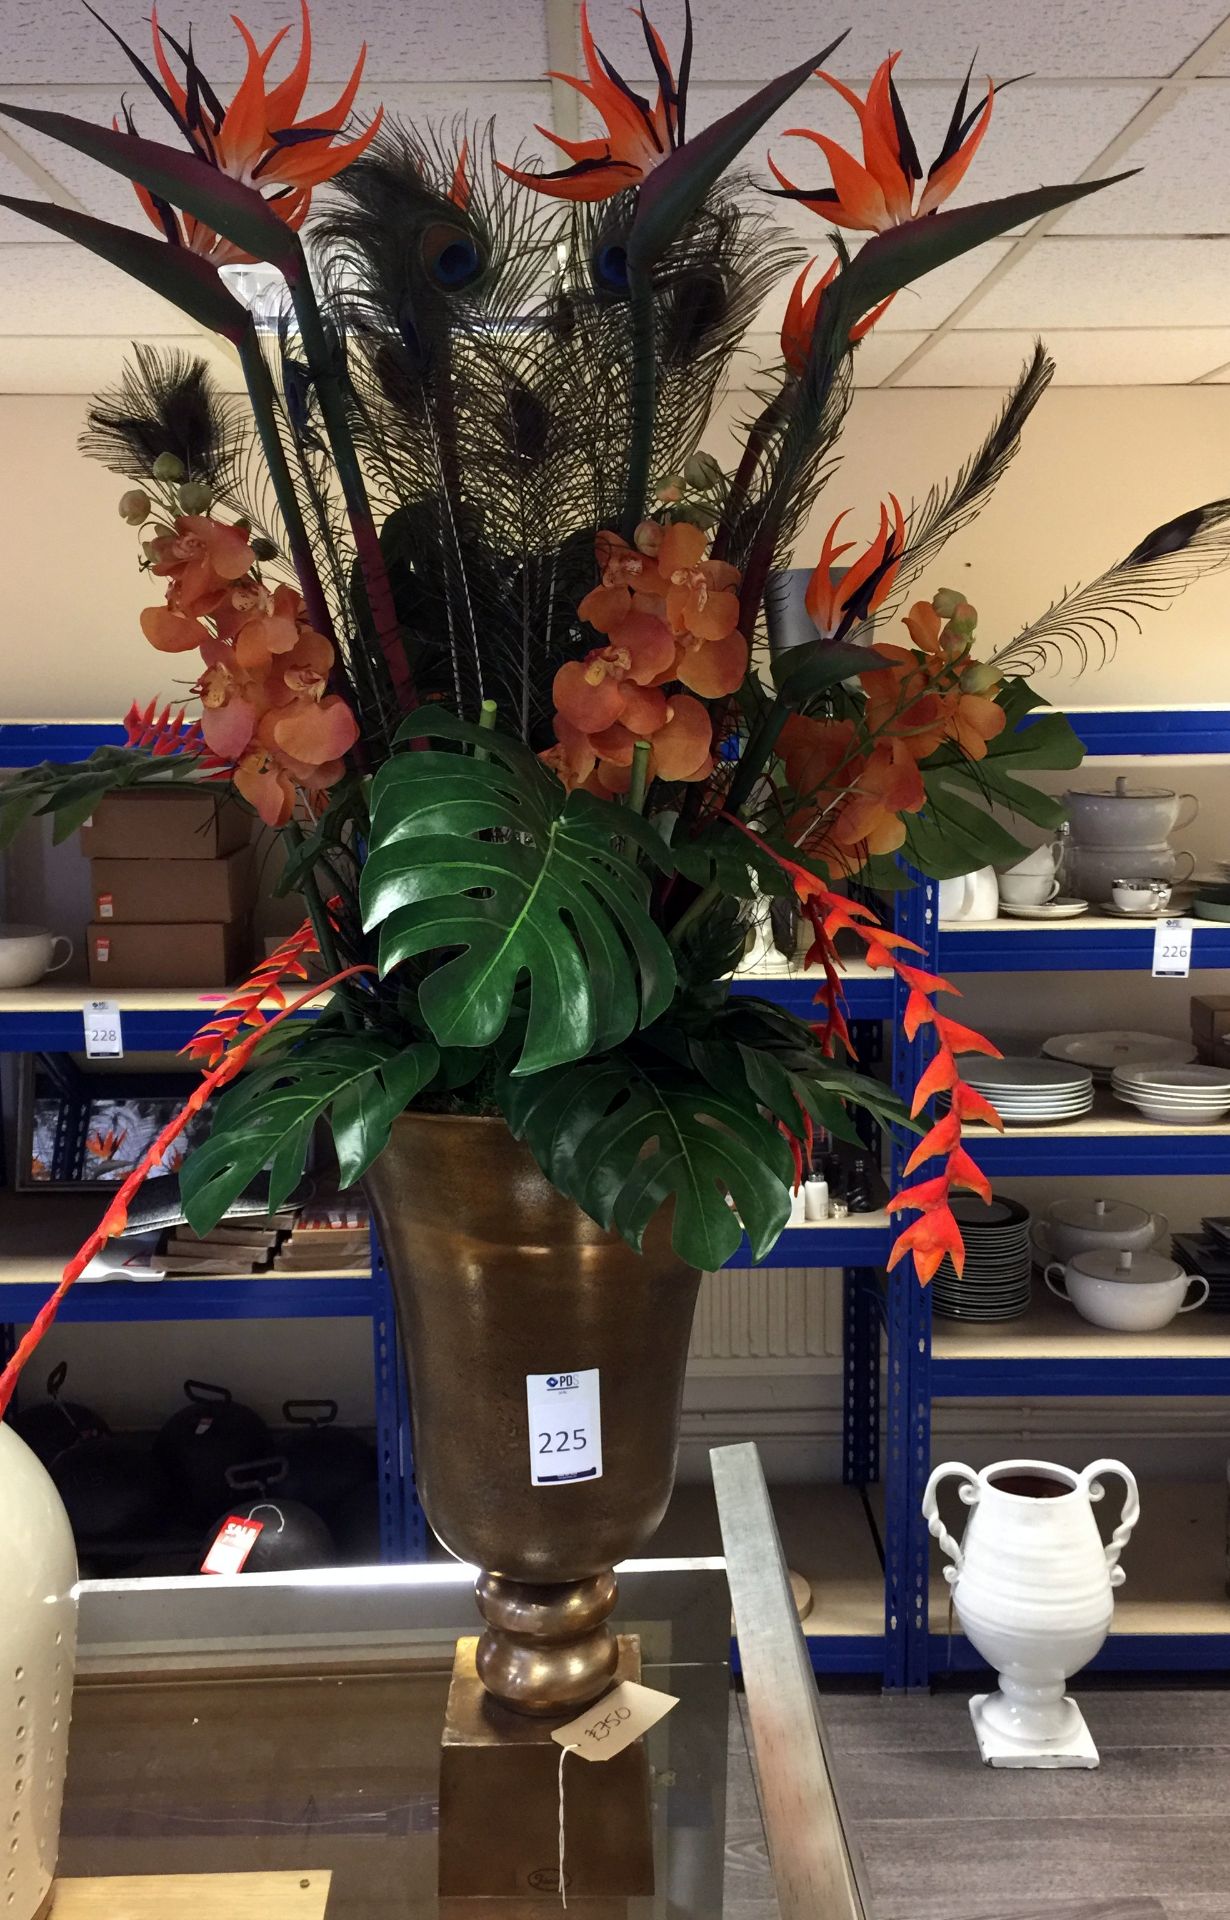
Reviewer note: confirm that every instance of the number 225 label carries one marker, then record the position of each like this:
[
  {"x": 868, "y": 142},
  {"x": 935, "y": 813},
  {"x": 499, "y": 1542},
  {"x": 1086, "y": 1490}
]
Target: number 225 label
[{"x": 565, "y": 1418}]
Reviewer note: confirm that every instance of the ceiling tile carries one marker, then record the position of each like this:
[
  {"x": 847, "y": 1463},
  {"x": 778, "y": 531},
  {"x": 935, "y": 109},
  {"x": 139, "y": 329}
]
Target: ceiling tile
[
  {"x": 82, "y": 364},
  {"x": 464, "y": 40},
  {"x": 1221, "y": 377},
  {"x": 59, "y": 289},
  {"x": 1177, "y": 191},
  {"x": 1069, "y": 38},
  {"x": 1117, "y": 283},
  {"x": 14, "y": 181},
  {"x": 1128, "y": 357}
]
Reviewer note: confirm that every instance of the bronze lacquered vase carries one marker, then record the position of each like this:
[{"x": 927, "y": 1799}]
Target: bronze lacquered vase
[{"x": 500, "y": 1280}]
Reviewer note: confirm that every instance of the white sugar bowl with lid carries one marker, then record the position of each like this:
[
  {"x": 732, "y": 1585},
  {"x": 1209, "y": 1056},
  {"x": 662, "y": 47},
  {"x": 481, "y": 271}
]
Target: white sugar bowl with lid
[
  {"x": 1129, "y": 1292},
  {"x": 1083, "y": 1226},
  {"x": 1126, "y": 815}
]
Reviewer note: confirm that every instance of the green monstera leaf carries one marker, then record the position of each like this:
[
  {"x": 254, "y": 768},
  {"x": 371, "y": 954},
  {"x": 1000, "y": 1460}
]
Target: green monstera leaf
[
  {"x": 266, "y": 1119},
  {"x": 484, "y": 862},
  {"x": 622, "y": 1145}
]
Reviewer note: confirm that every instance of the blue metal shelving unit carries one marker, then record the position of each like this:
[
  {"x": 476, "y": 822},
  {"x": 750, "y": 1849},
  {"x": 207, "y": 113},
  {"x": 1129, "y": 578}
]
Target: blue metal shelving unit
[{"x": 917, "y": 1373}]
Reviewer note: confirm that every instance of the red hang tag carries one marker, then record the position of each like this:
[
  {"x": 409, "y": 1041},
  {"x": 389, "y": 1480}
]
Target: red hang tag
[
  {"x": 106, "y": 906},
  {"x": 232, "y": 1544},
  {"x": 102, "y": 948}
]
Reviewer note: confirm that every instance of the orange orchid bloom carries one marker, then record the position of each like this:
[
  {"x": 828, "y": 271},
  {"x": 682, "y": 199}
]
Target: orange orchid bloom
[
  {"x": 589, "y": 693},
  {"x": 880, "y": 193},
  {"x": 638, "y": 136},
  {"x": 803, "y": 311},
  {"x": 256, "y": 139},
  {"x": 699, "y": 597},
  {"x": 836, "y": 602},
  {"x": 202, "y": 558}
]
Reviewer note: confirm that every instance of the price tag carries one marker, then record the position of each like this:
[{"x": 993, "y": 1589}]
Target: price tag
[
  {"x": 232, "y": 1544},
  {"x": 104, "y": 1035},
  {"x": 1172, "y": 949},
  {"x": 615, "y": 1722},
  {"x": 565, "y": 1427}
]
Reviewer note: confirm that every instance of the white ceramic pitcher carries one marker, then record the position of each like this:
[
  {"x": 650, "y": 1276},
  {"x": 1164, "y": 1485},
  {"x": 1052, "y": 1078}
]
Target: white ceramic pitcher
[{"x": 1032, "y": 1588}]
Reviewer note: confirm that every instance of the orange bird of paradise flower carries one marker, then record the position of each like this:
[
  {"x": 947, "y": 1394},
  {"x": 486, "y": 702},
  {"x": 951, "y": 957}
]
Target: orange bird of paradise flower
[
  {"x": 803, "y": 311},
  {"x": 836, "y": 601},
  {"x": 256, "y": 139},
  {"x": 880, "y": 192},
  {"x": 638, "y": 136}
]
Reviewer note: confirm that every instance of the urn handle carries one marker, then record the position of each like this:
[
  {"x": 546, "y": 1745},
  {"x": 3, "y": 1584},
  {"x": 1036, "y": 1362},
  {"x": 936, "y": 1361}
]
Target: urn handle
[
  {"x": 931, "y": 1512},
  {"x": 1091, "y": 1481}
]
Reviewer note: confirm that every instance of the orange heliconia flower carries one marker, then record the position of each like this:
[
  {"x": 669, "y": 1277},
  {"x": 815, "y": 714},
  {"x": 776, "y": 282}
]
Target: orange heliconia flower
[
  {"x": 879, "y": 193},
  {"x": 638, "y": 136},
  {"x": 835, "y": 602},
  {"x": 256, "y": 139},
  {"x": 803, "y": 311}
]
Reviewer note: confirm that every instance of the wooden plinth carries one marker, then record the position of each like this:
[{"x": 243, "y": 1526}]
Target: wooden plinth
[{"x": 499, "y": 1807}]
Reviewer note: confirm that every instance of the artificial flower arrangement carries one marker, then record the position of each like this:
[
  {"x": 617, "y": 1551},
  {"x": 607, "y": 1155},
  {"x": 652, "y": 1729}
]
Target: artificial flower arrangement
[{"x": 472, "y": 619}]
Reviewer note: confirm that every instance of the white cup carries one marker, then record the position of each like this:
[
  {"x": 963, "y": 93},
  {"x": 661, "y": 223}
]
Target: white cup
[
  {"x": 1028, "y": 889},
  {"x": 27, "y": 953},
  {"x": 1141, "y": 896},
  {"x": 1043, "y": 861}
]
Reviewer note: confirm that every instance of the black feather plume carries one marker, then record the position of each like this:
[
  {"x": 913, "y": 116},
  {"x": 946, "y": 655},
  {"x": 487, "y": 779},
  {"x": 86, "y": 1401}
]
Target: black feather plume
[
  {"x": 1158, "y": 569},
  {"x": 165, "y": 402}
]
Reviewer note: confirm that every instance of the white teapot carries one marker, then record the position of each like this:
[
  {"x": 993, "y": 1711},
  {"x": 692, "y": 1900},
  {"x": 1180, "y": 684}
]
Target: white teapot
[{"x": 1032, "y": 1588}]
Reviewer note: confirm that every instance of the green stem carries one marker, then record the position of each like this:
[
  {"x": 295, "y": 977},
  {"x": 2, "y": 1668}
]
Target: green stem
[
  {"x": 264, "y": 408},
  {"x": 486, "y": 720},
  {"x": 752, "y": 760},
  {"x": 644, "y": 397},
  {"x": 321, "y": 358},
  {"x": 318, "y": 914},
  {"x": 640, "y": 776},
  {"x": 705, "y": 900}
]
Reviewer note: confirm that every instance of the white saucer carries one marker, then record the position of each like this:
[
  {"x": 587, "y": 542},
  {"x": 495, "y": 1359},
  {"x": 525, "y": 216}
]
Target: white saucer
[
  {"x": 1048, "y": 909},
  {"x": 1168, "y": 912}
]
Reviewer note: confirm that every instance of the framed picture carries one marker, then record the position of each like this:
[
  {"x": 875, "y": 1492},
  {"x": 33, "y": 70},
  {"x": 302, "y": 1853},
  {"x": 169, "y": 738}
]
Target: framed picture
[{"x": 85, "y": 1131}]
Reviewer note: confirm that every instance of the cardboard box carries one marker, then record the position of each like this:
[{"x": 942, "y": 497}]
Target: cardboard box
[
  {"x": 215, "y": 954},
  {"x": 1210, "y": 1014},
  {"x": 173, "y": 892},
  {"x": 181, "y": 824}
]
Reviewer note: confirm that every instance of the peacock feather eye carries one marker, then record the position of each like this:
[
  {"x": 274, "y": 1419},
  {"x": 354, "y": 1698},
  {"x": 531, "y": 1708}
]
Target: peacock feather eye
[
  {"x": 610, "y": 267},
  {"x": 450, "y": 256}
]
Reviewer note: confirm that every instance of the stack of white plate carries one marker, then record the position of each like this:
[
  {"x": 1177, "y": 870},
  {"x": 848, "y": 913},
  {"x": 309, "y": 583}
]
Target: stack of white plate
[
  {"x": 998, "y": 1264},
  {"x": 1028, "y": 1092},
  {"x": 1191, "y": 1096},
  {"x": 1115, "y": 1047}
]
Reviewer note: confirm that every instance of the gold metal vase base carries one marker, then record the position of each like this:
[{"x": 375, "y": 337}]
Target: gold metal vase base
[
  {"x": 499, "y": 1808},
  {"x": 547, "y": 1649}
]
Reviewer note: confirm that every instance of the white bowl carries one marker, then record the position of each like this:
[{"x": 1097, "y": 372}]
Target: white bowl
[
  {"x": 27, "y": 953},
  {"x": 1127, "y": 1305}
]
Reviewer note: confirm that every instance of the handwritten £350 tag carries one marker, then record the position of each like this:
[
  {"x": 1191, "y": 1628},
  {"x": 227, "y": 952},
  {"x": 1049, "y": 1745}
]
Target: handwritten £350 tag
[{"x": 615, "y": 1721}]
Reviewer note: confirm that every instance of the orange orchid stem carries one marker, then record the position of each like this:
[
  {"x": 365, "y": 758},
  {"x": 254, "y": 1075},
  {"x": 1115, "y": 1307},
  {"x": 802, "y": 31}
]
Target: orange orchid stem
[{"x": 115, "y": 1219}]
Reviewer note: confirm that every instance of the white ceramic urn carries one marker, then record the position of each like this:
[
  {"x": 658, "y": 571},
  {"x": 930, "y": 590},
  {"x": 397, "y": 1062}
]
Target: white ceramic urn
[
  {"x": 1032, "y": 1588},
  {"x": 38, "y": 1638}
]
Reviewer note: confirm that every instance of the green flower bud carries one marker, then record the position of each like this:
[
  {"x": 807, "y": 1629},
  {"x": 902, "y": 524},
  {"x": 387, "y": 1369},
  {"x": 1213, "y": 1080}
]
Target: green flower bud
[
  {"x": 169, "y": 466},
  {"x": 701, "y": 470},
  {"x": 946, "y": 602},
  {"x": 671, "y": 489},
  {"x": 979, "y": 677},
  {"x": 695, "y": 516},
  {"x": 195, "y": 497},
  {"x": 134, "y": 506}
]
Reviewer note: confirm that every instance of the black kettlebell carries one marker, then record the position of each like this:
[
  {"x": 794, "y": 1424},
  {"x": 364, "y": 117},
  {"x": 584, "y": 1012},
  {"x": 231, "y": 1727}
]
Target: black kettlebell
[
  {"x": 112, "y": 1488},
  {"x": 325, "y": 1464},
  {"x": 292, "y": 1535},
  {"x": 198, "y": 1446},
  {"x": 54, "y": 1425}
]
